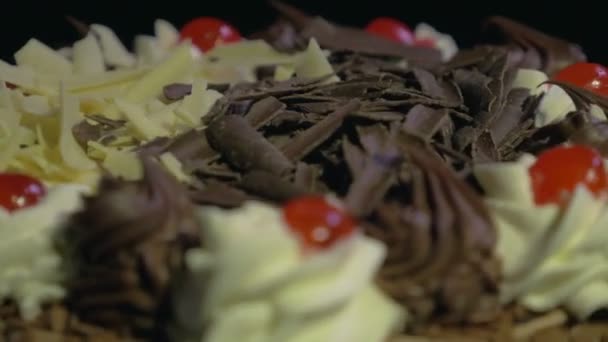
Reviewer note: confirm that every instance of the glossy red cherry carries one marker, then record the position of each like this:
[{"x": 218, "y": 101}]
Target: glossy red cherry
[
  {"x": 591, "y": 76},
  {"x": 19, "y": 191},
  {"x": 558, "y": 171},
  {"x": 392, "y": 29},
  {"x": 207, "y": 32},
  {"x": 316, "y": 222}
]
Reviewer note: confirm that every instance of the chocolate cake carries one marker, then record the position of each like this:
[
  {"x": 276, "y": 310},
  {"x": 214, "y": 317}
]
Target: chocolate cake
[{"x": 314, "y": 182}]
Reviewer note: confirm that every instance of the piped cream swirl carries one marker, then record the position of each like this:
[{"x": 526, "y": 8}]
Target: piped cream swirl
[
  {"x": 262, "y": 288},
  {"x": 31, "y": 272},
  {"x": 552, "y": 256}
]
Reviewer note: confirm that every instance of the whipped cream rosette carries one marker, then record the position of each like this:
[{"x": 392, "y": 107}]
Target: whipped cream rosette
[
  {"x": 31, "y": 270},
  {"x": 552, "y": 255},
  {"x": 261, "y": 286}
]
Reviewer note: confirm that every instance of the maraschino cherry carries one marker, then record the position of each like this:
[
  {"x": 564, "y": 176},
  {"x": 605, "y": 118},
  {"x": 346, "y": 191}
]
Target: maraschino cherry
[
  {"x": 397, "y": 31},
  {"x": 591, "y": 76},
  {"x": 318, "y": 223},
  {"x": 558, "y": 171},
  {"x": 207, "y": 32},
  {"x": 19, "y": 191},
  {"x": 392, "y": 29}
]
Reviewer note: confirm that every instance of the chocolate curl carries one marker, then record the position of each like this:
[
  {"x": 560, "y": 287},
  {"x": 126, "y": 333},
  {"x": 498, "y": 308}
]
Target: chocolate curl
[
  {"x": 424, "y": 121},
  {"x": 540, "y": 50},
  {"x": 81, "y": 27},
  {"x": 221, "y": 195},
  {"x": 270, "y": 186},
  {"x": 310, "y": 139},
  {"x": 338, "y": 37},
  {"x": 245, "y": 148},
  {"x": 264, "y": 111},
  {"x": 306, "y": 176},
  {"x": 177, "y": 91}
]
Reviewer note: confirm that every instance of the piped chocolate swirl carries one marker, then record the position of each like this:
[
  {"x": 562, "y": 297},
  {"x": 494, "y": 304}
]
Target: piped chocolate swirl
[
  {"x": 129, "y": 242},
  {"x": 441, "y": 262}
]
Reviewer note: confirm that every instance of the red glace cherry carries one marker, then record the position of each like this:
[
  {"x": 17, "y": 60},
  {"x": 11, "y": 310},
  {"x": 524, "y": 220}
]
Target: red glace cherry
[
  {"x": 207, "y": 32},
  {"x": 591, "y": 76},
  {"x": 19, "y": 191},
  {"x": 318, "y": 223},
  {"x": 558, "y": 171},
  {"x": 392, "y": 29}
]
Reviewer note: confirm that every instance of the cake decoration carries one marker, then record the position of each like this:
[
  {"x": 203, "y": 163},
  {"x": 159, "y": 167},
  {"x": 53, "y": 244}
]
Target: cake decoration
[
  {"x": 126, "y": 249},
  {"x": 32, "y": 272},
  {"x": 262, "y": 285},
  {"x": 550, "y": 229},
  {"x": 332, "y": 185},
  {"x": 530, "y": 48}
]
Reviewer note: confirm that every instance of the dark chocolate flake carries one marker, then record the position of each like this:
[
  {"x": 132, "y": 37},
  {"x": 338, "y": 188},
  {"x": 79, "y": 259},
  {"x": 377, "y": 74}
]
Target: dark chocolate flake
[
  {"x": 263, "y": 111},
  {"x": 220, "y": 194},
  {"x": 338, "y": 37},
  {"x": 554, "y": 53},
  {"x": 270, "y": 186},
  {"x": 241, "y": 145},
  {"x": 425, "y": 121},
  {"x": 307, "y": 141},
  {"x": 510, "y": 117},
  {"x": 176, "y": 91}
]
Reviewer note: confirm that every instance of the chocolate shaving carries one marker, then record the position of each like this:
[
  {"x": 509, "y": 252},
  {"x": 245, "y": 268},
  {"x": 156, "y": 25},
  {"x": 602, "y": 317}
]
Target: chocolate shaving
[
  {"x": 264, "y": 111},
  {"x": 338, "y": 37},
  {"x": 306, "y": 177},
  {"x": 425, "y": 121},
  {"x": 475, "y": 89},
  {"x": 431, "y": 86},
  {"x": 81, "y": 27},
  {"x": 537, "y": 50},
  {"x": 282, "y": 36},
  {"x": 177, "y": 91},
  {"x": 484, "y": 149},
  {"x": 101, "y": 132},
  {"x": 511, "y": 116},
  {"x": 268, "y": 185},
  {"x": 305, "y": 142},
  {"x": 221, "y": 195},
  {"x": 244, "y": 147}
]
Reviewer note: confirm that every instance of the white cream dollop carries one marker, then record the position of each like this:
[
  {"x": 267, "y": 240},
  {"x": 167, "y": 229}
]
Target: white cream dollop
[
  {"x": 443, "y": 42},
  {"x": 31, "y": 270},
  {"x": 555, "y": 104},
  {"x": 551, "y": 256},
  {"x": 259, "y": 286}
]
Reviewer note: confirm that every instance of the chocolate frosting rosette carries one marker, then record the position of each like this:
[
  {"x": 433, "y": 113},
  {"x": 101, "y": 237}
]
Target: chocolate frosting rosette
[
  {"x": 441, "y": 242},
  {"x": 128, "y": 246}
]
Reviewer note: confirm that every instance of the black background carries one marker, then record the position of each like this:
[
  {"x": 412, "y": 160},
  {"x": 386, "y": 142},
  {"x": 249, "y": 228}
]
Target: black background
[{"x": 582, "y": 21}]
